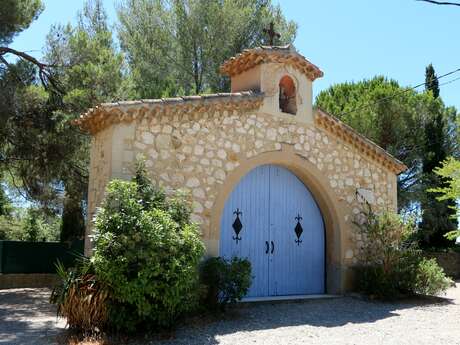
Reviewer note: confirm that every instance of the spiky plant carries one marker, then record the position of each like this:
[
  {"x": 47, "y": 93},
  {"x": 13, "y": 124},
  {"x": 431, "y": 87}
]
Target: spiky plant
[{"x": 81, "y": 298}]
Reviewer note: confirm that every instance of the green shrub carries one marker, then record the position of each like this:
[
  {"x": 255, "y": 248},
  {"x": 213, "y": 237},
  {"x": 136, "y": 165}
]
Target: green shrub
[
  {"x": 227, "y": 281},
  {"x": 147, "y": 251},
  {"x": 392, "y": 265},
  {"x": 431, "y": 278},
  {"x": 390, "y": 281}
]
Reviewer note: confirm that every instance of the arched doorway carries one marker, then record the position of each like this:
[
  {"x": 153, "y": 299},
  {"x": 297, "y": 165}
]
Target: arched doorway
[{"x": 272, "y": 219}]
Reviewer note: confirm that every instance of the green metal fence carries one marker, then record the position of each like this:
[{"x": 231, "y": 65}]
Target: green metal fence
[{"x": 37, "y": 257}]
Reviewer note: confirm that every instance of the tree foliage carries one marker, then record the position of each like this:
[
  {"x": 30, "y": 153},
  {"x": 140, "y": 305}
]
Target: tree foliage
[
  {"x": 449, "y": 171},
  {"x": 29, "y": 224},
  {"x": 34, "y": 137},
  {"x": 176, "y": 46},
  {"x": 43, "y": 153},
  {"x": 431, "y": 81},
  {"x": 5, "y": 203},
  {"x": 16, "y": 16},
  {"x": 417, "y": 128},
  {"x": 391, "y": 116},
  {"x": 87, "y": 62},
  {"x": 437, "y": 215}
]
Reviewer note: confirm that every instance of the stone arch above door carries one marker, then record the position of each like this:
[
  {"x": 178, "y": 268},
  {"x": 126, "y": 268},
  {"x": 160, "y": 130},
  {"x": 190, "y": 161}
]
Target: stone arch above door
[{"x": 318, "y": 185}]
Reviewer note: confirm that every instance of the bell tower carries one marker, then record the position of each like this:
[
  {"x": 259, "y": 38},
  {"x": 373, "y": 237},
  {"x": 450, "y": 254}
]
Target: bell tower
[{"x": 279, "y": 72}]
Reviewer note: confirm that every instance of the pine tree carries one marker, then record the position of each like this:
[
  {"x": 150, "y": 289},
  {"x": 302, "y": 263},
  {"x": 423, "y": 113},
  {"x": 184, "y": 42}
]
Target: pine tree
[
  {"x": 91, "y": 74},
  {"x": 176, "y": 47},
  {"x": 437, "y": 216}
]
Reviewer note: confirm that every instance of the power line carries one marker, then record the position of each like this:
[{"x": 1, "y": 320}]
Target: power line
[
  {"x": 403, "y": 91},
  {"x": 450, "y": 81},
  {"x": 441, "y": 2}
]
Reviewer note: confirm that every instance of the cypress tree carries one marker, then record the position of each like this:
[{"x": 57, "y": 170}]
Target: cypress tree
[
  {"x": 73, "y": 221},
  {"x": 431, "y": 81},
  {"x": 436, "y": 215}
]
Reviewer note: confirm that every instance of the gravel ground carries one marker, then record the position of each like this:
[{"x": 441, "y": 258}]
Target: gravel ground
[
  {"x": 343, "y": 321},
  {"x": 27, "y": 318}
]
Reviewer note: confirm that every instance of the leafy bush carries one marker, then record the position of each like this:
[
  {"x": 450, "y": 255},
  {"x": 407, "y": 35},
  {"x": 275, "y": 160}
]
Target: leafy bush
[
  {"x": 147, "y": 251},
  {"x": 81, "y": 298},
  {"x": 227, "y": 281},
  {"x": 431, "y": 278},
  {"x": 392, "y": 263}
]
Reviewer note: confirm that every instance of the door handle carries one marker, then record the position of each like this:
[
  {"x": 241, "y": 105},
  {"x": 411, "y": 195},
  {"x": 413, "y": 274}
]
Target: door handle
[
  {"x": 266, "y": 247},
  {"x": 273, "y": 247}
]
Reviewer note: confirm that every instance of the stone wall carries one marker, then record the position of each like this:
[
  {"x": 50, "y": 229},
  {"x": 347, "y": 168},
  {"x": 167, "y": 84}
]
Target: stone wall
[
  {"x": 28, "y": 280},
  {"x": 198, "y": 152},
  {"x": 100, "y": 174}
]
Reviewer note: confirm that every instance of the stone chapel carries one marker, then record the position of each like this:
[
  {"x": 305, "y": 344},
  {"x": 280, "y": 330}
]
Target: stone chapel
[{"x": 272, "y": 179}]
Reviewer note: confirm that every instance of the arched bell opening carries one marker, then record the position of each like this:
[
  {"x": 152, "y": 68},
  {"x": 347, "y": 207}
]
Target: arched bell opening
[{"x": 287, "y": 95}]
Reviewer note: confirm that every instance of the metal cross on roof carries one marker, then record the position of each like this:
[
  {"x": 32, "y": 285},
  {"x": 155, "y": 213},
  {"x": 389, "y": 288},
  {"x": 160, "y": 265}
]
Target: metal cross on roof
[{"x": 271, "y": 33}]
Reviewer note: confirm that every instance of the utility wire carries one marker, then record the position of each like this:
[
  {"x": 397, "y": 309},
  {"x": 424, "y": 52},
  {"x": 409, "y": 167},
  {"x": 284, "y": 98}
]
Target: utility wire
[
  {"x": 403, "y": 91},
  {"x": 441, "y": 2},
  {"x": 450, "y": 81}
]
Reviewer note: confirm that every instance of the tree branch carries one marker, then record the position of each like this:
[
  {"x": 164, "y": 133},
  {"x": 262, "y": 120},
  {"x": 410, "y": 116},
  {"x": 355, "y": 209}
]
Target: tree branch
[
  {"x": 441, "y": 2},
  {"x": 43, "y": 69},
  {"x": 22, "y": 55}
]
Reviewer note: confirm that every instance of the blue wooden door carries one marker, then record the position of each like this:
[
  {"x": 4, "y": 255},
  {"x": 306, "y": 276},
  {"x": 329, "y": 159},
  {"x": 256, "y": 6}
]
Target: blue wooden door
[
  {"x": 272, "y": 219},
  {"x": 296, "y": 266},
  {"x": 249, "y": 202}
]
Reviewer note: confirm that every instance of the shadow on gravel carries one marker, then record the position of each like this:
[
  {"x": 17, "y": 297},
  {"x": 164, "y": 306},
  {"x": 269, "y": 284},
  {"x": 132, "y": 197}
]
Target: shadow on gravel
[
  {"x": 25, "y": 316},
  {"x": 317, "y": 313}
]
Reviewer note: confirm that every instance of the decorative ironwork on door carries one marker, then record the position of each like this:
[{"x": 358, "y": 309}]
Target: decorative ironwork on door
[
  {"x": 298, "y": 229},
  {"x": 237, "y": 225}
]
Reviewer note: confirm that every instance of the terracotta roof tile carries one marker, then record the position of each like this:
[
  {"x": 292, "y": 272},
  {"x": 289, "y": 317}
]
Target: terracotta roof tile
[
  {"x": 105, "y": 114},
  {"x": 250, "y": 58}
]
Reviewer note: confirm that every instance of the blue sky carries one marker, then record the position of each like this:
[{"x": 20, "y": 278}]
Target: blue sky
[{"x": 349, "y": 40}]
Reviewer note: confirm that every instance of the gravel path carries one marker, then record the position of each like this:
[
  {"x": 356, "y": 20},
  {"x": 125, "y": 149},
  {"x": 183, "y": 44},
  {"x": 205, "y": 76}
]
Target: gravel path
[
  {"x": 27, "y": 318},
  {"x": 343, "y": 321}
]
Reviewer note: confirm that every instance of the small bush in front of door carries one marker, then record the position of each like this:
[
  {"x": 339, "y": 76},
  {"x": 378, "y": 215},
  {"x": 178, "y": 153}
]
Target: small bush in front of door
[
  {"x": 392, "y": 265},
  {"x": 226, "y": 281}
]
